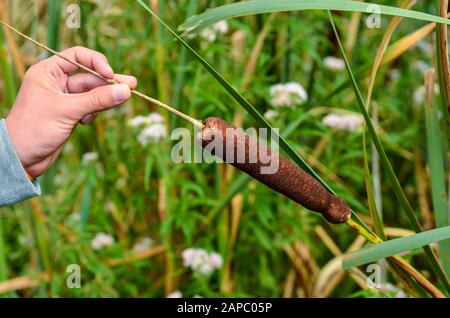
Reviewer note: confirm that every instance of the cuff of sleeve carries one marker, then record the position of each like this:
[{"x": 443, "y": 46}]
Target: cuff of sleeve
[{"x": 15, "y": 185}]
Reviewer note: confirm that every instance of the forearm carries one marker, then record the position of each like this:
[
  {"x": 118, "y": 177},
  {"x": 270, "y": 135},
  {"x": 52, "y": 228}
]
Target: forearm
[{"x": 15, "y": 185}]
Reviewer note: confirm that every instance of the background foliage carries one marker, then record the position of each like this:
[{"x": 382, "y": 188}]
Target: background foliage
[{"x": 271, "y": 247}]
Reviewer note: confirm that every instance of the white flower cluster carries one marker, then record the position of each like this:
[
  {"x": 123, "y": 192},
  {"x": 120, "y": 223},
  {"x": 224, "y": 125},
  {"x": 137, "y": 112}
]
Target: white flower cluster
[
  {"x": 210, "y": 33},
  {"x": 421, "y": 66},
  {"x": 175, "y": 294},
  {"x": 394, "y": 74},
  {"x": 238, "y": 43},
  {"x": 419, "y": 93},
  {"x": 24, "y": 241},
  {"x": 425, "y": 47},
  {"x": 271, "y": 114},
  {"x": 143, "y": 244},
  {"x": 391, "y": 289},
  {"x": 200, "y": 261},
  {"x": 287, "y": 95},
  {"x": 153, "y": 126},
  {"x": 343, "y": 122},
  {"x": 334, "y": 63},
  {"x": 89, "y": 157},
  {"x": 102, "y": 240}
]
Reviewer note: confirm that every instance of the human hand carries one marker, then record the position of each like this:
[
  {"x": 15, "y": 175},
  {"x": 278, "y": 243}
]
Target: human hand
[{"x": 53, "y": 99}]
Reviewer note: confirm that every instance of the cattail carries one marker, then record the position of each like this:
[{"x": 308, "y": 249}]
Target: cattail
[{"x": 289, "y": 179}]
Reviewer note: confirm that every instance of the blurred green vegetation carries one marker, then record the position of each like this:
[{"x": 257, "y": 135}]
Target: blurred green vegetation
[{"x": 271, "y": 247}]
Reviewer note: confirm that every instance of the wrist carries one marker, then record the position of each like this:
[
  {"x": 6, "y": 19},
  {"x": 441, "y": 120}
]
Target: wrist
[{"x": 15, "y": 141}]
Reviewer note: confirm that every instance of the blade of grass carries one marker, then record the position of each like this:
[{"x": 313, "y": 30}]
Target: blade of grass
[
  {"x": 394, "y": 247},
  {"x": 54, "y": 14},
  {"x": 382, "y": 49},
  {"x": 436, "y": 162},
  {"x": 3, "y": 260},
  {"x": 398, "y": 191},
  {"x": 87, "y": 197},
  {"x": 181, "y": 76},
  {"x": 41, "y": 232},
  {"x": 239, "y": 9},
  {"x": 443, "y": 67},
  {"x": 398, "y": 270},
  {"x": 443, "y": 64},
  {"x": 160, "y": 54},
  {"x": 4, "y": 6},
  {"x": 5, "y": 68},
  {"x": 353, "y": 32},
  {"x": 3, "y": 264},
  {"x": 373, "y": 208}
]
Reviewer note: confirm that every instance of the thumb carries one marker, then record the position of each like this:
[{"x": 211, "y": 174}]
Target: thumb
[{"x": 102, "y": 98}]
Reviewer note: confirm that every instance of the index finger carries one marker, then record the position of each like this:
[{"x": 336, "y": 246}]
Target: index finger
[{"x": 89, "y": 58}]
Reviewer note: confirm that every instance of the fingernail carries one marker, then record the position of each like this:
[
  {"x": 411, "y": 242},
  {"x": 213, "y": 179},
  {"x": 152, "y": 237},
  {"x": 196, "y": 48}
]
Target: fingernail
[
  {"x": 87, "y": 119},
  {"x": 121, "y": 93}
]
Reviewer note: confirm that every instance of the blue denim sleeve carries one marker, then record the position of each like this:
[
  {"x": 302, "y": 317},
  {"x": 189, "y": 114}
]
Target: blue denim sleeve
[{"x": 14, "y": 183}]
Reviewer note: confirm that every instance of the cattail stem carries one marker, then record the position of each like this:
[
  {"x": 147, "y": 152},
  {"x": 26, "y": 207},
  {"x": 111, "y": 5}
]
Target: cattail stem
[
  {"x": 156, "y": 102},
  {"x": 368, "y": 235}
]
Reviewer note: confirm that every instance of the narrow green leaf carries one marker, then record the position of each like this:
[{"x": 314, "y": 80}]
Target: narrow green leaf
[
  {"x": 148, "y": 172},
  {"x": 438, "y": 191},
  {"x": 54, "y": 15},
  {"x": 7, "y": 72},
  {"x": 3, "y": 264},
  {"x": 42, "y": 242},
  {"x": 238, "y": 9},
  {"x": 440, "y": 70},
  {"x": 374, "y": 213},
  {"x": 181, "y": 76},
  {"x": 87, "y": 197},
  {"x": 394, "y": 247}
]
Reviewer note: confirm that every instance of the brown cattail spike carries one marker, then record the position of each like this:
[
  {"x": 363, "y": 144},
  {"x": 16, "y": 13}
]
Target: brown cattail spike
[{"x": 288, "y": 179}]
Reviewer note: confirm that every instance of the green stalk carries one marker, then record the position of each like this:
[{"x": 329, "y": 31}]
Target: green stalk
[
  {"x": 181, "y": 76},
  {"x": 87, "y": 197},
  {"x": 7, "y": 74},
  {"x": 398, "y": 191},
  {"x": 373, "y": 208},
  {"x": 166, "y": 229},
  {"x": 285, "y": 61},
  {"x": 436, "y": 162},
  {"x": 435, "y": 146},
  {"x": 161, "y": 58},
  {"x": 3, "y": 259},
  {"x": 54, "y": 14},
  {"x": 442, "y": 64},
  {"x": 3, "y": 264}
]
